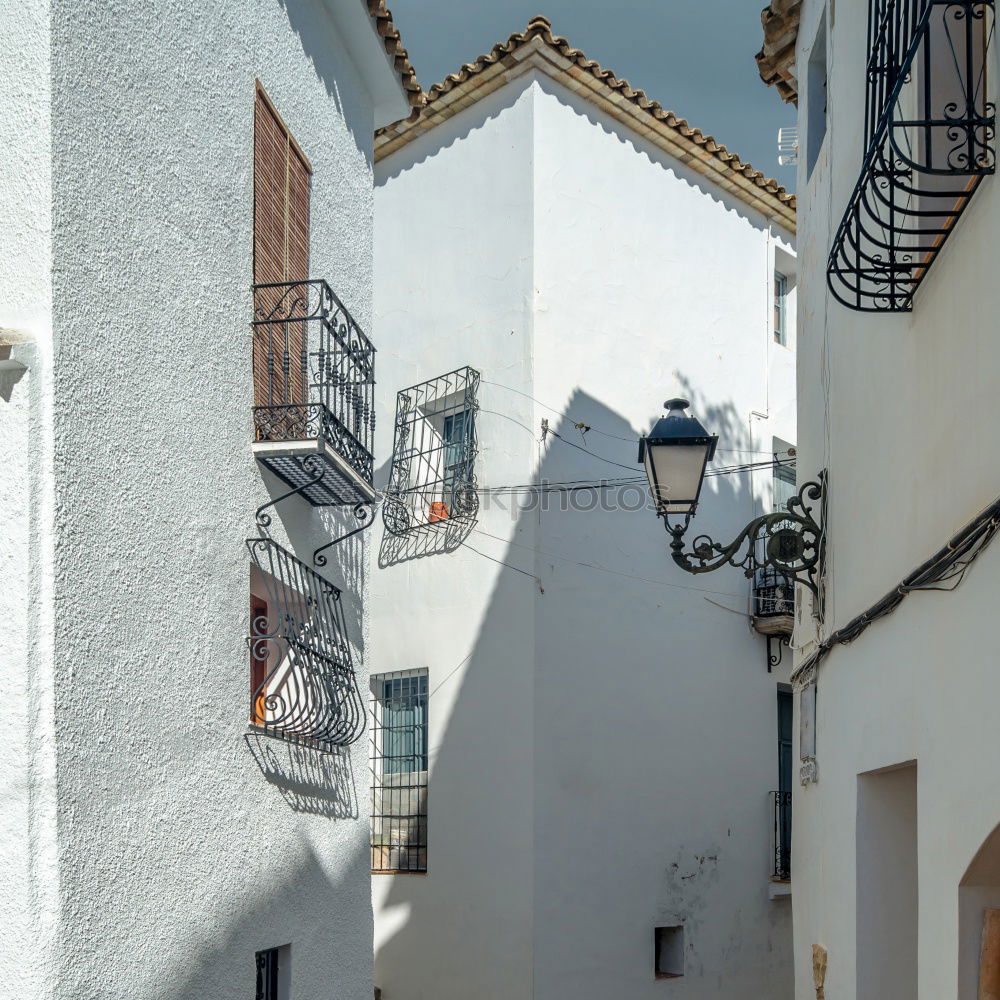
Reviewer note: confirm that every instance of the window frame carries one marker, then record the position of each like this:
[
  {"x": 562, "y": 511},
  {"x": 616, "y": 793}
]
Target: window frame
[{"x": 398, "y": 833}]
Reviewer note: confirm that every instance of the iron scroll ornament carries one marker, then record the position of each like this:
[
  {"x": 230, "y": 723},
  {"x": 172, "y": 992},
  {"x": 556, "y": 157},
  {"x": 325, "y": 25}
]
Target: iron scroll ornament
[{"x": 791, "y": 541}]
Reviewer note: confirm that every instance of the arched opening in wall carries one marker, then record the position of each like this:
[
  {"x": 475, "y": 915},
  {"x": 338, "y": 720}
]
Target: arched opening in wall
[{"x": 979, "y": 923}]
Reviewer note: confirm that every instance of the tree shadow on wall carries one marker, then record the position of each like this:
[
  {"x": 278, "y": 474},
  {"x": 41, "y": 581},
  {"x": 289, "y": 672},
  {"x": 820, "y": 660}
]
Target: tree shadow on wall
[{"x": 309, "y": 780}]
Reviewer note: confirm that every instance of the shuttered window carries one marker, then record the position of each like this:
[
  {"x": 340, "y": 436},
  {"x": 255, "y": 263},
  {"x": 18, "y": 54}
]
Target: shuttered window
[{"x": 282, "y": 178}]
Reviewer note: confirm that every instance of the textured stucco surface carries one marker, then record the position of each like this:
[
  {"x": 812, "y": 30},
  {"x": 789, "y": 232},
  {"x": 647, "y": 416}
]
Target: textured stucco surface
[
  {"x": 602, "y": 743},
  {"x": 177, "y": 857},
  {"x": 902, "y": 410}
]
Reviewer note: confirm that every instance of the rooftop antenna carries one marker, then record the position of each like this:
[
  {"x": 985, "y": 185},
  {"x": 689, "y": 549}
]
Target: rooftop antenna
[{"x": 788, "y": 146}]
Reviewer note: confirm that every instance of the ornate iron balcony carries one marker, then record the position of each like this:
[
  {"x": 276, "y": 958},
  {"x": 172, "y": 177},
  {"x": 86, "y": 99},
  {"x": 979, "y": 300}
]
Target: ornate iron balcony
[
  {"x": 308, "y": 693},
  {"x": 314, "y": 378},
  {"x": 929, "y": 129}
]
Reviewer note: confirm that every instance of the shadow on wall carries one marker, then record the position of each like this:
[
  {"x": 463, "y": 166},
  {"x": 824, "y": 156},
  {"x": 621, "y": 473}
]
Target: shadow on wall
[
  {"x": 423, "y": 540},
  {"x": 303, "y": 906},
  {"x": 309, "y": 781},
  {"x": 312, "y": 24},
  {"x": 546, "y": 870}
]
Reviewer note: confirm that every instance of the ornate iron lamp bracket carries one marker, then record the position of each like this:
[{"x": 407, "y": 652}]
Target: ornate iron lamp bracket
[
  {"x": 791, "y": 541},
  {"x": 363, "y": 512}
]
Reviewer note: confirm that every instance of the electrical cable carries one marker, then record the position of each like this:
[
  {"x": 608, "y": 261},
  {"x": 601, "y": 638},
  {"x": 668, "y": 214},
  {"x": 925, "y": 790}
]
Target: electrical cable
[
  {"x": 945, "y": 570},
  {"x": 604, "y": 569}
]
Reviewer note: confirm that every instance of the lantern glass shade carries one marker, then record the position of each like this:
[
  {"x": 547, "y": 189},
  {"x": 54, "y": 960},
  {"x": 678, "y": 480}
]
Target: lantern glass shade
[{"x": 675, "y": 455}]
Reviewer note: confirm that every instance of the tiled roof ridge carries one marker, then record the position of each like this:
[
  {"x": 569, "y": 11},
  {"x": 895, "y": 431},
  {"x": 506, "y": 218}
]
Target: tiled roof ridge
[
  {"x": 540, "y": 27},
  {"x": 382, "y": 17}
]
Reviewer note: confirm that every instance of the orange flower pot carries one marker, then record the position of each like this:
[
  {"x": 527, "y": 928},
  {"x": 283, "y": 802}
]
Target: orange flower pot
[{"x": 438, "y": 511}]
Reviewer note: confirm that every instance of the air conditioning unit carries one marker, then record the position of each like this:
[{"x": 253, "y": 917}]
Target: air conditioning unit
[{"x": 788, "y": 146}]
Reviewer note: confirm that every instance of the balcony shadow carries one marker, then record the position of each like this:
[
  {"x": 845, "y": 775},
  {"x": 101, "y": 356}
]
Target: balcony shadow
[{"x": 309, "y": 780}]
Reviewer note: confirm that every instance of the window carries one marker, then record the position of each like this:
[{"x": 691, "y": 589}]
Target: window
[
  {"x": 274, "y": 973},
  {"x": 780, "y": 307},
  {"x": 669, "y": 952},
  {"x": 783, "y": 797},
  {"x": 433, "y": 477},
  {"x": 258, "y": 659},
  {"x": 302, "y": 683},
  {"x": 782, "y": 474},
  {"x": 928, "y": 142},
  {"x": 399, "y": 768},
  {"x": 816, "y": 96}
]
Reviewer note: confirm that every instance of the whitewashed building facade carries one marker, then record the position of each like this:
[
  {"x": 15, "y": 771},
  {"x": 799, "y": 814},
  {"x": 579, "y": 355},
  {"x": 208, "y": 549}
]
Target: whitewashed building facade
[
  {"x": 896, "y": 851},
  {"x": 184, "y": 812},
  {"x": 575, "y": 743}
]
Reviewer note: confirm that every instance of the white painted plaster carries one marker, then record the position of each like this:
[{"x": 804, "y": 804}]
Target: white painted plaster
[
  {"x": 901, "y": 409},
  {"x": 160, "y": 856},
  {"x": 603, "y": 739}
]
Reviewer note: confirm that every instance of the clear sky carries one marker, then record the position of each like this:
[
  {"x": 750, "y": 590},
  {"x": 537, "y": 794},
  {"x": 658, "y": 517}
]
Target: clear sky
[{"x": 693, "y": 56}]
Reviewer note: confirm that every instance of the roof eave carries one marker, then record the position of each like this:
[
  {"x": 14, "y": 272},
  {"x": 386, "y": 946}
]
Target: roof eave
[
  {"x": 377, "y": 51},
  {"x": 660, "y": 127}
]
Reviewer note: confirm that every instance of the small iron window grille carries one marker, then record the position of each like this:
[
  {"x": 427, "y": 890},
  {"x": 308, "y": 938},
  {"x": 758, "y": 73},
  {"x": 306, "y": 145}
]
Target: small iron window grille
[
  {"x": 929, "y": 129},
  {"x": 307, "y": 692},
  {"x": 314, "y": 376},
  {"x": 433, "y": 475},
  {"x": 267, "y": 974},
  {"x": 399, "y": 771}
]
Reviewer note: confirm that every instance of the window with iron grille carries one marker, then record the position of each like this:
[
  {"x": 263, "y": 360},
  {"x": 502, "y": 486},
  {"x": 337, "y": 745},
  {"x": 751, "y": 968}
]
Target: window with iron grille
[
  {"x": 929, "y": 140},
  {"x": 399, "y": 771},
  {"x": 267, "y": 974},
  {"x": 433, "y": 478},
  {"x": 780, "y": 307}
]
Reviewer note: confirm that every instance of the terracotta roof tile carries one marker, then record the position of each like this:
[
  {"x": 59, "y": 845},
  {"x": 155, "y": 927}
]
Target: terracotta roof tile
[
  {"x": 585, "y": 76},
  {"x": 382, "y": 17},
  {"x": 776, "y": 60}
]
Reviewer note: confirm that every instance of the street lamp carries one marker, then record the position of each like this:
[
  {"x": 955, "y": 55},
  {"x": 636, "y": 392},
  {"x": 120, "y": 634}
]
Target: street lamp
[{"x": 675, "y": 454}]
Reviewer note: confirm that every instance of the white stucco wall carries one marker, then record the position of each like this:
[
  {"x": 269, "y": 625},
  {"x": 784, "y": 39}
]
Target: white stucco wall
[
  {"x": 28, "y": 871},
  {"x": 173, "y": 858},
  {"x": 903, "y": 426},
  {"x": 603, "y": 738}
]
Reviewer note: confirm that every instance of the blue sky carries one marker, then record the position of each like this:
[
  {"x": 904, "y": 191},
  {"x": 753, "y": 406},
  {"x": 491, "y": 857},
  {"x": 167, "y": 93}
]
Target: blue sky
[{"x": 693, "y": 56}]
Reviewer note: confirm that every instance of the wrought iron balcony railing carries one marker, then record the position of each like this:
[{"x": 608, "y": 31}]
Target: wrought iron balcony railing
[
  {"x": 774, "y": 596},
  {"x": 308, "y": 693},
  {"x": 314, "y": 378},
  {"x": 774, "y": 611},
  {"x": 782, "y": 806},
  {"x": 930, "y": 126}
]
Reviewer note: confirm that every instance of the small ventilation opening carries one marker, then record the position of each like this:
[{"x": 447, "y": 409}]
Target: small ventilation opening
[{"x": 669, "y": 955}]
